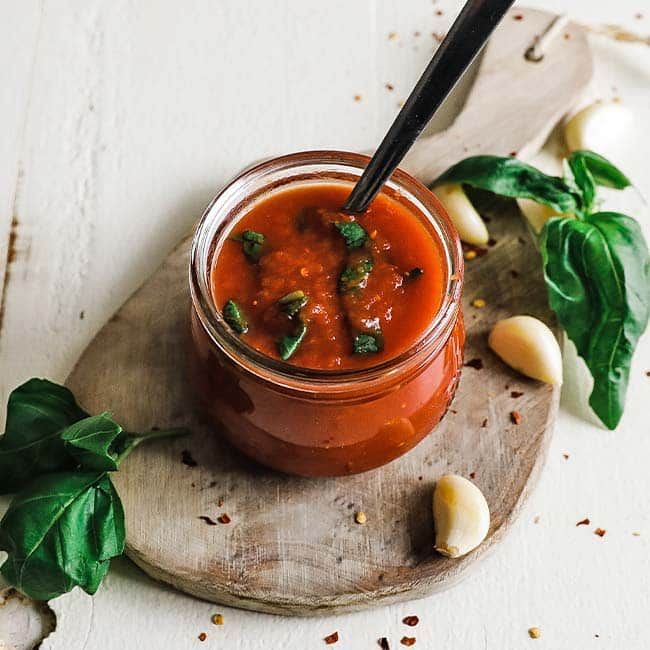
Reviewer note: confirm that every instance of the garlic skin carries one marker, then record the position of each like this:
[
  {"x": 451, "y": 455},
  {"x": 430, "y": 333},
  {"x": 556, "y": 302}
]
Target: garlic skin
[
  {"x": 599, "y": 127},
  {"x": 528, "y": 345},
  {"x": 467, "y": 220},
  {"x": 460, "y": 515}
]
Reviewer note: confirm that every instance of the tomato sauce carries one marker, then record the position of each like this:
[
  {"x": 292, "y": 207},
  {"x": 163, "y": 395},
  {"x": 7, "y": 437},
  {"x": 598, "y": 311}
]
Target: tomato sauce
[{"x": 359, "y": 296}]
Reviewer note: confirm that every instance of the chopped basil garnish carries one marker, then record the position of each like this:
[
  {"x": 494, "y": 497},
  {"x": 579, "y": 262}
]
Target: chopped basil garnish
[
  {"x": 252, "y": 243},
  {"x": 355, "y": 236},
  {"x": 289, "y": 344},
  {"x": 293, "y": 302},
  {"x": 233, "y": 316},
  {"x": 368, "y": 343},
  {"x": 413, "y": 274},
  {"x": 355, "y": 275}
]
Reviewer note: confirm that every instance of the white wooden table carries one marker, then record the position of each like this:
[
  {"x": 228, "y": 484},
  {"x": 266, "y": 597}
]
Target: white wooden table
[{"x": 120, "y": 120}]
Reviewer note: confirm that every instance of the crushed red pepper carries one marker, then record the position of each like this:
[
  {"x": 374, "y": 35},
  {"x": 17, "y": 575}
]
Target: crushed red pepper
[
  {"x": 331, "y": 638},
  {"x": 583, "y": 522},
  {"x": 223, "y": 519},
  {"x": 383, "y": 643},
  {"x": 515, "y": 394},
  {"x": 411, "y": 621},
  {"x": 186, "y": 458},
  {"x": 515, "y": 417},
  {"x": 407, "y": 640},
  {"x": 203, "y": 636},
  {"x": 600, "y": 532}
]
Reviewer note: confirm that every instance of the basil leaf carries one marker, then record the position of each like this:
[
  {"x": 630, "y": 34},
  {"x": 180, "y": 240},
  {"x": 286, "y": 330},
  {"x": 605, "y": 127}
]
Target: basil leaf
[
  {"x": 597, "y": 271},
  {"x": 581, "y": 177},
  {"x": 61, "y": 532},
  {"x": 37, "y": 411},
  {"x": 353, "y": 233},
  {"x": 252, "y": 243},
  {"x": 355, "y": 275},
  {"x": 288, "y": 345},
  {"x": 368, "y": 343},
  {"x": 233, "y": 316},
  {"x": 95, "y": 442},
  {"x": 513, "y": 178},
  {"x": 603, "y": 172},
  {"x": 293, "y": 302}
]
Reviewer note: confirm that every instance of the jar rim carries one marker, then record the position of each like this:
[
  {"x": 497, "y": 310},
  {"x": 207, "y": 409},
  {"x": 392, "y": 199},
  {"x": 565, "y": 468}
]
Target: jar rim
[{"x": 279, "y": 372}]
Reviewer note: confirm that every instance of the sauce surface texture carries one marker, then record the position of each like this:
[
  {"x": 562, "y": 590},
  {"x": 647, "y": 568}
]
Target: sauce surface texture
[{"x": 320, "y": 291}]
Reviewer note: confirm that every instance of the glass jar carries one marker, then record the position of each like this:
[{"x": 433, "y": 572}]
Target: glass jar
[{"x": 321, "y": 422}]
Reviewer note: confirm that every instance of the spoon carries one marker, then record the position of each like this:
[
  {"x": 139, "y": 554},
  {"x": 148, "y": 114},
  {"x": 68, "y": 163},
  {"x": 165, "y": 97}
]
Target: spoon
[{"x": 467, "y": 35}]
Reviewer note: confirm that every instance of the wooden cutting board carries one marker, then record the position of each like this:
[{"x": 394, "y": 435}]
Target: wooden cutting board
[{"x": 292, "y": 545}]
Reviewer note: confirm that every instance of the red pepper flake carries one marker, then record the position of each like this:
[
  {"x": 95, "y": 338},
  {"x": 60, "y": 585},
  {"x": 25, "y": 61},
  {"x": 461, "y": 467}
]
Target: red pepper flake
[
  {"x": 515, "y": 394},
  {"x": 332, "y": 638},
  {"x": 357, "y": 98},
  {"x": 484, "y": 423},
  {"x": 390, "y": 87},
  {"x": 600, "y": 532},
  {"x": 407, "y": 640},
  {"x": 186, "y": 458},
  {"x": 440, "y": 12},
  {"x": 223, "y": 519},
  {"x": 518, "y": 17},
  {"x": 411, "y": 621},
  {"x": 472, "y": 475},
  {"x": 203, "y": 636},
  {"x": 383, "y": 643},
  {"x": 515, "y": 417},
  {"x": 567, "y": 36},
  {"x": 583, "y": 522},
  {"x": 647, "y": 373},
  {"x": 476, "y": 363},
  {"x": 513, "y": 154},
  {"x": 565, "y": 456}
]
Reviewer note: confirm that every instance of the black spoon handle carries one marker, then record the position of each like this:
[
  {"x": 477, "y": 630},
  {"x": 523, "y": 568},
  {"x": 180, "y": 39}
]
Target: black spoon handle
[{"x": 466, "y": 37}]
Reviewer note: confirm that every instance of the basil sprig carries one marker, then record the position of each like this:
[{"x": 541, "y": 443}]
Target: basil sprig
[
  {"x": 596, "y": 264},
  {"x": 67, "y": 521}
]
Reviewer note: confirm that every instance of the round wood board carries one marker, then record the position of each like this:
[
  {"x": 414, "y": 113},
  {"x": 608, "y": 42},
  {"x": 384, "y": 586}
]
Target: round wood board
[{"x": 293, "y": 546}]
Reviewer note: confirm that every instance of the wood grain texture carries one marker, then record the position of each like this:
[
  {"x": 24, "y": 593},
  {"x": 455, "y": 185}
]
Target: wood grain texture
[{"x": 292, "y": 546}]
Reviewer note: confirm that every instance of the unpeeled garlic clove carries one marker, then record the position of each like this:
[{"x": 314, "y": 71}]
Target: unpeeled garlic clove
[
  {"x": 467, "y": 220},
  {"x": 598, "y": 127},
  {"x": 460, "y": 515},
  {"x": 528, "y": 345}
]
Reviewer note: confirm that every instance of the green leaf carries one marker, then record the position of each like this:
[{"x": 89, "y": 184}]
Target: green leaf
[
  {"x": 355, "y": 275},
  {"x": 293, "y": 302},
  {"x": 603, "y": 172},
  {"x": 513, "y": 178},
  {"x": 37, "y": 411},
  {"x": 597, "y": 271},
  {"x": 61, "y": 532},
  {"x": 95, "y": 442},
  {"x": 288, "y": 345},
  {"x": 581, "y": 177},
  {"x": 353, "y": 233},
  {"x": 233, "y": 316},
  {"x": 252, "y": 243},
  {"x": 368, "y": 343}
]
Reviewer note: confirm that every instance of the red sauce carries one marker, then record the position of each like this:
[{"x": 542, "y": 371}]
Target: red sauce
[{"x": 394, "y": 302}]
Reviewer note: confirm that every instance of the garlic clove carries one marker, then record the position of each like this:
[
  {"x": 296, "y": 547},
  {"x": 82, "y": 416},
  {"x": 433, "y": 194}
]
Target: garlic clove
[
  {"x": 467, "y": 220},
  {"x": 537, "y": 214},
  {"x": 460, "y": 515},
  {"x": 528, "y": 345},
  {"x": 599, "y": 127}
]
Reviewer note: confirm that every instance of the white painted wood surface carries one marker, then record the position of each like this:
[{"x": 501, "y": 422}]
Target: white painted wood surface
[{"x": 119, "y": 121}]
